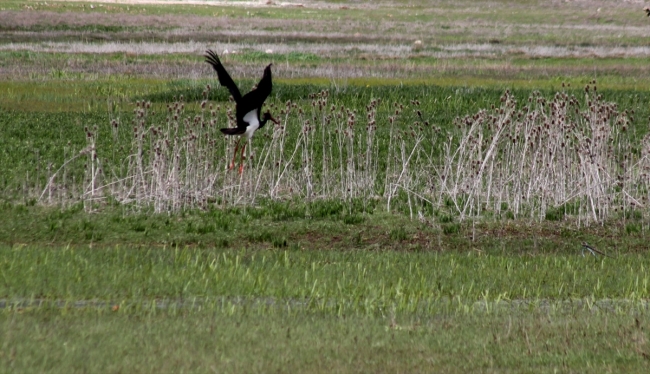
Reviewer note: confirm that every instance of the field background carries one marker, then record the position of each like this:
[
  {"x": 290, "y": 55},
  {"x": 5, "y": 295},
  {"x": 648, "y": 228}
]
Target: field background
[{"x": 372, "y": 263}]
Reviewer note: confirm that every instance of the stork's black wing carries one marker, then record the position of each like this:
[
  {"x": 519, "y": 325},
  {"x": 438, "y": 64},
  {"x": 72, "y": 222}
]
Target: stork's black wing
[
  {"x": 224, "y": 77},
  {"x": 255, "y": 98}
]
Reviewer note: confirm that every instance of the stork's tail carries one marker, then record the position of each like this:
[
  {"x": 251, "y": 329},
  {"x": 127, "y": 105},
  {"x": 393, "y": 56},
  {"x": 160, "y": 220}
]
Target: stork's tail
[{"x": 232, "y": 131}]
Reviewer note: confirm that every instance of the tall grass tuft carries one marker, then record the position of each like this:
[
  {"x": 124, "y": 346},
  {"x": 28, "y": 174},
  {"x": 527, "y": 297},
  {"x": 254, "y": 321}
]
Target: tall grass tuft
[{"x": 573, "y": 156}]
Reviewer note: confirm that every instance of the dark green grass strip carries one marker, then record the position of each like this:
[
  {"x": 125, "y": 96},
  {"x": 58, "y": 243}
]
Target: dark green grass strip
[{"x": 83, "y": 341}]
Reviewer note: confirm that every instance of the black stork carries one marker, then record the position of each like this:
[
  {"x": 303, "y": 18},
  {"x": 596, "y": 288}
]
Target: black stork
[{"x": 248, "y": 107}]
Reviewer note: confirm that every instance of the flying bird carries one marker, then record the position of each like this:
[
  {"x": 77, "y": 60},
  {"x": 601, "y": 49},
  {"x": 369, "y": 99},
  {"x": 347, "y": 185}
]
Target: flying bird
[
  {"x": 647, "y": 11},
  {"x": 248, "y": 107},
  {"x": 592, "y": 250}
]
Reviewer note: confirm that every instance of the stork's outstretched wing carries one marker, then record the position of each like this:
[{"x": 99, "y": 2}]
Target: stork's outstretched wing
[
  {"x": 224, "y": 77},
  {"x": 255, "y": 98}
]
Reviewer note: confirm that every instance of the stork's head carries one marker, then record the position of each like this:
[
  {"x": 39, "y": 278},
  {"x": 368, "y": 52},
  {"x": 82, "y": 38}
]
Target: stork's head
[{"x": 267, "y": 116}]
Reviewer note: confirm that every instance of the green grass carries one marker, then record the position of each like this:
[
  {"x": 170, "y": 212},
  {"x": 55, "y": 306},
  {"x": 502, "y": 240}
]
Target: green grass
[
  {"x": 356, "y": 282},
  {"x": 91, "y": 94},
  {"x": 205, "y": 341},
  {"x": 309, "y": 252},
  {"x": 252, "y": 309},
  {"x": 212, "y": 291},
  {"x": 52, "y": 71}
]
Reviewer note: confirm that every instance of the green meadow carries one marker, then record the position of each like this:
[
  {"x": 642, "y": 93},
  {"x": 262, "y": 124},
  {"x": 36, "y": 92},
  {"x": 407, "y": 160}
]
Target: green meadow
[{"x": 421, "y": 206}]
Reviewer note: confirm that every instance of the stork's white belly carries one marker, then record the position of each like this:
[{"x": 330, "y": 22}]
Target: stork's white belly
[{"x": 253, "y": 123}]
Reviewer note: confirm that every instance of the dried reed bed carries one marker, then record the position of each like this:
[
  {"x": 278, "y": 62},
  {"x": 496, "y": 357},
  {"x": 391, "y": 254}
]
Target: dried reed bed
[
  {"x": 348, "y": 48},
  {"x": 546, "y": 158},
  {"x": 322, "y": 60},
  {"x": 549, "y": 154}
]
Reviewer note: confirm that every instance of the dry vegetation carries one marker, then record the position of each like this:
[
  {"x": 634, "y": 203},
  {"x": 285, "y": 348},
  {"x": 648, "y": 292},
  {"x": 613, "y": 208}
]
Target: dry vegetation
[
  {"x": 494, "y": 39},
  {"x": 543, "y": 159}
]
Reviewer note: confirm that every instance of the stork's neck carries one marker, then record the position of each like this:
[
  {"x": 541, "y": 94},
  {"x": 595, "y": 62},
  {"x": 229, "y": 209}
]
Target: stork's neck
[{"x": 263, "y": 122}]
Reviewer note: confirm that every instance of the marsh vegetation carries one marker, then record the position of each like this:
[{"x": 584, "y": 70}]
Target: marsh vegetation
[{"x": 420, "y": 207}]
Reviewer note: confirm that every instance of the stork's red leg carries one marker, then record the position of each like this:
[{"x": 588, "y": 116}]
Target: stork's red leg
[
  {"x": 241, "y": 158},
  {"x": 234, "y": 155}
]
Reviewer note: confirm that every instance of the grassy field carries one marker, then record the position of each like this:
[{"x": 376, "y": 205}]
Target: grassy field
[
  {"x": 420, "y": 208},
  {"x": 289, "y": 342}
]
